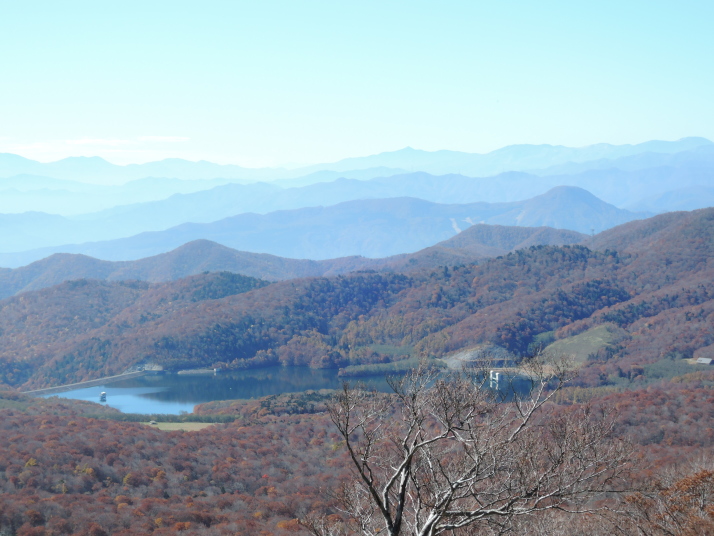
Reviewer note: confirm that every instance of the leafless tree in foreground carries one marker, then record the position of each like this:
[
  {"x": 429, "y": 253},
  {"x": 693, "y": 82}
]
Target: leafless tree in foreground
[
  {"x": 446, "y": 455},
  {"x": 679, "y": 508}
]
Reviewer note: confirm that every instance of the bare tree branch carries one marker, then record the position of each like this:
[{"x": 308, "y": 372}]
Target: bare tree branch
[{"x": 445, "y": 454}]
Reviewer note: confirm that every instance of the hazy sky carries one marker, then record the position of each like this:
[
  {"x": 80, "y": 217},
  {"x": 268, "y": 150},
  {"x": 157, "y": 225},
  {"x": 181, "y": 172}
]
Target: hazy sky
[{"x": 273, "y": 82}]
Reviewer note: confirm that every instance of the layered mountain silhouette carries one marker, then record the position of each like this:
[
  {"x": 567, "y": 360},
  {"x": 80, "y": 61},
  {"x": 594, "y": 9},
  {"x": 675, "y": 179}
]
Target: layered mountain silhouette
[
  {"x": 96, "y": 170},
  {"x": 689, "y": 198},
  {"x": 32, "y": 193},
  {"x": 617, "y": 186},
  {"x": 370, "y": 228},
  {"x": 369, "y": 206},
  {"x": 680, "y": 181},
  {"x": 472, "y": 245},
  {"x": 674, "y": 187},
  {"x": 693, "y": 154},
  {"x": 511, "y": 158}
]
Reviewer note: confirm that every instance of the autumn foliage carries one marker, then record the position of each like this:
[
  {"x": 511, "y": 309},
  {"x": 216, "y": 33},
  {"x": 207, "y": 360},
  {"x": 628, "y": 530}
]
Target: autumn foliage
[{"x": 62, "y": 472}]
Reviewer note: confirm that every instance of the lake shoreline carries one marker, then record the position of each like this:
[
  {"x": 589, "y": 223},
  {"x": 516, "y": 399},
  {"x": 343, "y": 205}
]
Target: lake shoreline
[
  {"x": 173, "y": 393},
  {"x": 82, "y": 385}
]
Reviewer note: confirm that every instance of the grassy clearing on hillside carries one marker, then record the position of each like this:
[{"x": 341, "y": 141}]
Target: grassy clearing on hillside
[{"x": 588, "y": 342}]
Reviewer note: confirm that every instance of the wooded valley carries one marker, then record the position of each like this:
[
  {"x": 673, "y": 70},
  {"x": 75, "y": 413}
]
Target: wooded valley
[{"x": 74, "y": 468}]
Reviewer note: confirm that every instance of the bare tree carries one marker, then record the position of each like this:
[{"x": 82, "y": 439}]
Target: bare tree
[
  {"x": 682, "y": 507},
  {"x": 445, "y": 454}
]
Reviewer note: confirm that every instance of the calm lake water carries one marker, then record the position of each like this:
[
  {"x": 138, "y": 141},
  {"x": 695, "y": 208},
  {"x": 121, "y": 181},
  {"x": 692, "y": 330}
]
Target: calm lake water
[{"x": 173, "y": 393}]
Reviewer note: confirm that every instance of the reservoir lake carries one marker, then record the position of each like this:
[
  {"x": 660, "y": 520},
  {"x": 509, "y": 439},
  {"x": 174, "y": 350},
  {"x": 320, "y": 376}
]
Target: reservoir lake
[{"x": 178, "y": 393}]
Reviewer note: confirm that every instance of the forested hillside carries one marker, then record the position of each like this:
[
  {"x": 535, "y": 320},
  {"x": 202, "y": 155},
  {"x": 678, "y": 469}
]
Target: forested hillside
[
  {"x": 471, "y": 245},
  {"x": 67, "y": 468},
  {"x": 286, "y": 268},
  {"x": 657, "y": 288}
]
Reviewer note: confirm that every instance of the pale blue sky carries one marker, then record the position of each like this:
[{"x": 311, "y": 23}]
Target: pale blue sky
[{"x": 275, "y": 82}]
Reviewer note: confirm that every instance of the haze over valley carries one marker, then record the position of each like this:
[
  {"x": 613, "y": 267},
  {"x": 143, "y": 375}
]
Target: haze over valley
[
  {"x": 399, "y": 227},
  {"x": 371, "y": 215},
  {"x": 394, "y": 268}
]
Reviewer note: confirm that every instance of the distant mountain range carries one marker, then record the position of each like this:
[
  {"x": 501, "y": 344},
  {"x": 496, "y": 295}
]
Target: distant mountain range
[
  {"x": 689, "y": 198},
  {"x": 475, "y": 243},
  {"x": 357, "y": 206},
  {"x": 371, "y": 228},
  {"x": 96, "y": 170},
  {"x": 512, "y": 158},
  {"x": 621, "y": 188},
  {"x": 694, "y": 153},
  {"x": 153, "y": 204},
  {"x": 33, "y": 193}
]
